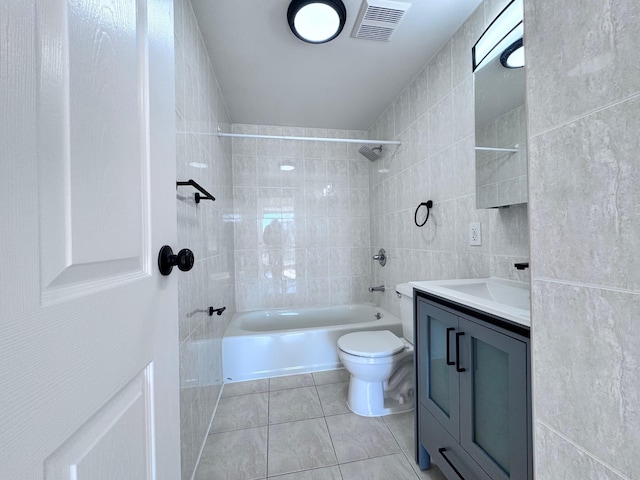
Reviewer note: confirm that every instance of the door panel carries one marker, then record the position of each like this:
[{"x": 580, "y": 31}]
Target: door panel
[
  {"x": 114, "y": 443},
  {"x": 88, "y": 332},
  {"x": 92, "y": 158}
]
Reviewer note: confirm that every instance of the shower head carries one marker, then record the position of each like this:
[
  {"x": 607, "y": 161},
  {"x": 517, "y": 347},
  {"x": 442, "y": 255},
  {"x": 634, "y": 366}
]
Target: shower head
[{"x": 371, "y": 153}]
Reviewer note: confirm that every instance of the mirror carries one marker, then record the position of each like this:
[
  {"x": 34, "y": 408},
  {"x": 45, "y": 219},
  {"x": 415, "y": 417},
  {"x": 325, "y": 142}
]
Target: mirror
[{"x": 501, "y": 134}]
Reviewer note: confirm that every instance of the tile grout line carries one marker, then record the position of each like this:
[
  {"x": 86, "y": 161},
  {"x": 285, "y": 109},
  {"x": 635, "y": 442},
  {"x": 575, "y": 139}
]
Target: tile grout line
[
  {"x": 268, "y": 424},
  {"x": 206, "y": 438},
  {"x": 324, "y": 414},
  {"x": 583, "y": 450},
  {"x": 333, "y": 446},
  {"x": 324, "y": 418}
]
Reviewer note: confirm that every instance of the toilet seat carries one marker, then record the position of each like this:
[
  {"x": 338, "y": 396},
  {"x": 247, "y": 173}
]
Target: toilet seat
[{"x": 371, "y": 344}]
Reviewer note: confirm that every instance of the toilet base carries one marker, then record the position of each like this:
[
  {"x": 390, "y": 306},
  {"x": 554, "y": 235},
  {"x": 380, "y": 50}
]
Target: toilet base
[{"x": 368, "y": 399}]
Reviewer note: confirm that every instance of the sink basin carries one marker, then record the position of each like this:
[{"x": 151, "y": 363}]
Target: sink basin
[
  {"x": 506, "y": 294},
  {"x": 498, "y": 296}
]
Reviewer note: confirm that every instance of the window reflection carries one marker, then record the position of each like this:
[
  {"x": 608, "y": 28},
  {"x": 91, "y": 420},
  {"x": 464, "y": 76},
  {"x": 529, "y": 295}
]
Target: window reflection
[{"x": 278, "y": 244}]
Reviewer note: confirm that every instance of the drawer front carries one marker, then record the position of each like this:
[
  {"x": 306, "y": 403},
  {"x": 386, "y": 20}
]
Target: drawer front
[{"x": 445, "y": 451}]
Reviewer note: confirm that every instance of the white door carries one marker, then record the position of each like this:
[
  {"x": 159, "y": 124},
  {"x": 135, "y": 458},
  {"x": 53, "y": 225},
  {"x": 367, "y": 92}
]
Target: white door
[{"x": 88, "y": 326}]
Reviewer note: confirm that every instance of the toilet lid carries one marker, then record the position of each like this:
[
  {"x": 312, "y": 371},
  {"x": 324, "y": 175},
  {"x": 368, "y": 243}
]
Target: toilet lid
[{"x": 381, "y": 343}]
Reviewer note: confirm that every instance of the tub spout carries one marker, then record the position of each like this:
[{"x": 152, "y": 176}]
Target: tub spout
[{"x": 377, "y": 289}]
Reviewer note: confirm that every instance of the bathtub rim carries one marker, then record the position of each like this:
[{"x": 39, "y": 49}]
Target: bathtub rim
[
  {"x": 232, "y": 343},
  {"x": 233, "y": 326}
]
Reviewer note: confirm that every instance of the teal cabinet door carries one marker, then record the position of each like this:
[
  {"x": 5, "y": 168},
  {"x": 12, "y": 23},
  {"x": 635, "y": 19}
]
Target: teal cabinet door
[
  {"x": 438, "y": 379},
  {"x": 493, "y": 401}
]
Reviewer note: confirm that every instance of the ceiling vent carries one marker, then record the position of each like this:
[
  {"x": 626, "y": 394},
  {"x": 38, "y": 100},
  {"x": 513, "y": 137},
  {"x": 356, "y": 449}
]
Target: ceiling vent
[{"x": 378, "y": 19}]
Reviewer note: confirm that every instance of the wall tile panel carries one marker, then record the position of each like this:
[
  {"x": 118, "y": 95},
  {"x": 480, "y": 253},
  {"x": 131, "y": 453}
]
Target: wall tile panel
[
  {"x": 585, "y": 369},
  {"x": 205, "y": 228},
  {"x": 582, "y": 56}
]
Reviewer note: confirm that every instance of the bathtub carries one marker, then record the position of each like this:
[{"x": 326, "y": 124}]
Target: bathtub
[{"x": 269, "y": 343}]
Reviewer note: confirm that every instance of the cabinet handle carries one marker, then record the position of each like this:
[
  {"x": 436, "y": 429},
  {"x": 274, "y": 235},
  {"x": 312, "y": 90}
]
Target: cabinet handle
[
  {"x": 441, "y": 452},
  {"x": 458, "y": 369},
  {"x": 449, "y": 362}
]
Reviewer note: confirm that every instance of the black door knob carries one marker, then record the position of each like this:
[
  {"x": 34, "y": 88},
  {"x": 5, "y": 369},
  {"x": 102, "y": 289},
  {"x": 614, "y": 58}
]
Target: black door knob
[{"x": 167, "y": 260}]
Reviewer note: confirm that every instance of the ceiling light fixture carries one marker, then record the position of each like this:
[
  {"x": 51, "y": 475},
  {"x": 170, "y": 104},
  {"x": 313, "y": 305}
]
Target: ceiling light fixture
[
  {"x": 316, "y": 21},
  {"x": 513, "y": 55}
]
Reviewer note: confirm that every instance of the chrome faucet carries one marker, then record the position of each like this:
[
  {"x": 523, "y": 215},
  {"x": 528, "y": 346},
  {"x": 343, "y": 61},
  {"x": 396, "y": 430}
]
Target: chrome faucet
[{"x": 377, "y": 289}]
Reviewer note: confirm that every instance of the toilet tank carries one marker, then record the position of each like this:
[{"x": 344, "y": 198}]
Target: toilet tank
[{"x": 405, "y": 294}]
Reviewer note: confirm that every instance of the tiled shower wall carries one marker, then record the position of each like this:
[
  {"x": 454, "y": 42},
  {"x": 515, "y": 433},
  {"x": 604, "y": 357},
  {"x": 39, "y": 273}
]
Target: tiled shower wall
[
  {"x": 206, "y": 228},
  {"x": 434, "y": 120},
  {"x": 301, "y": 235},
  {"x": 583, "y": 81}
]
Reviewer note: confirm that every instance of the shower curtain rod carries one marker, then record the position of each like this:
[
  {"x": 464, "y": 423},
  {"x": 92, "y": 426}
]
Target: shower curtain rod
[{"x": 310, "y": 139}]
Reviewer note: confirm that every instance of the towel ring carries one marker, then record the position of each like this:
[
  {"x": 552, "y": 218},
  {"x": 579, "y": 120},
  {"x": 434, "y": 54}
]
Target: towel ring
[{"x": 427, "y": 204}]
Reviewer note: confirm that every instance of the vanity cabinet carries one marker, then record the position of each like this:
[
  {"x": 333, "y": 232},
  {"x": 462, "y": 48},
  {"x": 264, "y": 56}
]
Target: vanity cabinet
[{"x": 473, "y": 388}]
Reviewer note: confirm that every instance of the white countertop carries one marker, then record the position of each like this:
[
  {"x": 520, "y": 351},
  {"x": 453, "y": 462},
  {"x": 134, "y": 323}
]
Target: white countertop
[{"x": 503, "y": 298}]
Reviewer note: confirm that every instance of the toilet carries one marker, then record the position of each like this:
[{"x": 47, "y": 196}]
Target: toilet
[{"x": 381, "y": 365}]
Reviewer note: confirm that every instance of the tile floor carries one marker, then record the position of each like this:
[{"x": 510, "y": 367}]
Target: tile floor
[{"x": 300, "y": 428}]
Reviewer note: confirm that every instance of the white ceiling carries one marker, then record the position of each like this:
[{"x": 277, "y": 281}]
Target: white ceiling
[{"x": 269, "y": 77}]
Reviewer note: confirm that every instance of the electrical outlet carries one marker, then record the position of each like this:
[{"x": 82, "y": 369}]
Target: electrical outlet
[{"x": 475, "y": 234}]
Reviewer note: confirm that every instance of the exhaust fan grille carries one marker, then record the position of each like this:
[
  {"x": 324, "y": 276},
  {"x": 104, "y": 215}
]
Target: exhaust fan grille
[
  {"x": 378, "y": 14},
  {"x": 378, "y": 19}
]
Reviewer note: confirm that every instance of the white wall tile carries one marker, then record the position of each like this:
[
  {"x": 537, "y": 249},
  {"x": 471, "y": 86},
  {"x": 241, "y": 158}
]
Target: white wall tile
[
  {"x": 338, "y": 171},
  {"x": 338, "y": 199},
  {"x": 245, "y": 201},
  {"x": 593, "y": 209},
  {"x": 317, "y": 289},
  {"x": 441, "y": 124},
  {"x": 464, "y": 109},
  {"x": 203, "y": 228},
  {"x": 439, "y": 75},
  {"x": 340, "y": 262},
  {"x": 315, "y": 169},
  {"x": 340, "y": 290},
  {"x": 244, "y": 171},
  {"x": 316, "y": 232}
]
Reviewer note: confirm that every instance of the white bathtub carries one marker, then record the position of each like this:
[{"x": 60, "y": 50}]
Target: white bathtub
[{"x": 269, "y": 343}]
